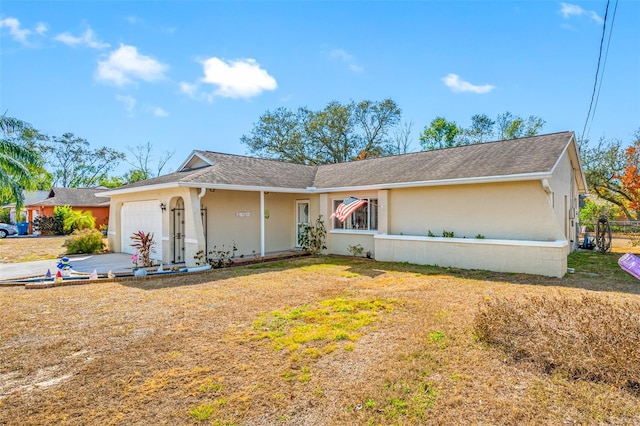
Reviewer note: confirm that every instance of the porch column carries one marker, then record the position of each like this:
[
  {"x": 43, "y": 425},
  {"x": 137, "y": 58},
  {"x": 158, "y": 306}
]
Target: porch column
[
  {"x": 194, "y": 231},
  {"x": 261, "y": 223}
]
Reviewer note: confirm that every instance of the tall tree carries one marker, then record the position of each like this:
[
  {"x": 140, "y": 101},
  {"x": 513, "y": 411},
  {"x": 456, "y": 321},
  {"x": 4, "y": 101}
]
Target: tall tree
[
  {"x": 440, "y": 133},
  {"x": 144, "y": 162},
  {"x": 401, "y": 140},
  {"x": 18, "y": 162},
  {"x": 337, "y": 133},
  {"x": 513, "y": 126},
  {"x": 630, "y": 177},
  {"x": 481, "y": 129},
  {"x": 604, "y": 164},
  {"x": 75, "y": 164}
]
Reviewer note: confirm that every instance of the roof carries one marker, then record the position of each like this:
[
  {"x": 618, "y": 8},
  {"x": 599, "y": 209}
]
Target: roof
[
  {"x": 74, "y": 197},
  {"x": 517, "y": 159}
]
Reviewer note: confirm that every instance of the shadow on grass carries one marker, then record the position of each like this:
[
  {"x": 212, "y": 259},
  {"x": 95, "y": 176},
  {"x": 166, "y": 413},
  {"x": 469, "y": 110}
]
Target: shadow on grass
[{"x": 594, "y": 271}]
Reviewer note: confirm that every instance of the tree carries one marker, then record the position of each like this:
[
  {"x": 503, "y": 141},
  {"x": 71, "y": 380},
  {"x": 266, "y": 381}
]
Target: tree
[
  {"x": 18, "y": 162},
  {"x": 335, "y": 134},
  {"x": 75, "y": 164},
  {"x": 439, "y": 134},
  {"x": 401, "y": 141},
  {"x": 481, "y": 130},
  {"x": 513, "y": 126},
  {"x": 605, "y": 164},
  {"x": 630, "y": 177},
  {"x": 143, "y": 157}
]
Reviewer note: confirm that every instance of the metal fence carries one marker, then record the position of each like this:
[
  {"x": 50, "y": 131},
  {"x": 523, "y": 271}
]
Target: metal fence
[{"x": 617, "y": 226}]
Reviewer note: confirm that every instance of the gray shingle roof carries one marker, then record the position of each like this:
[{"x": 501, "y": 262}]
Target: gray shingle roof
[
  {"x": 536, "y": 154},
  {"x": 74, "y": 197}
]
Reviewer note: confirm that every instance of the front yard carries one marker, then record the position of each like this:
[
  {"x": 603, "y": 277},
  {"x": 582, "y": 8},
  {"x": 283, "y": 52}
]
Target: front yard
[{"x": 313, "y": 341}]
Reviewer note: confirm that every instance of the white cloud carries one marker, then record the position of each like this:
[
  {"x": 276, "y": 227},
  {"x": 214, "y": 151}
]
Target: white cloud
[
  {"x": 188, "y": 89},
  {"x": 125, "y": 64},
  {"x": 159, "y": 112},
  {"x": 129, "y": 103},
  {"x": 18, "y": 33},
  {"x": 453, "y": 82},
  {"x": 242, "y": 78},
  {"x": 343, "y": 56},
  {"x": 41, "y": 28},
  {"x": 568, "y": 10},
  {"x": 87, "y": 39}
]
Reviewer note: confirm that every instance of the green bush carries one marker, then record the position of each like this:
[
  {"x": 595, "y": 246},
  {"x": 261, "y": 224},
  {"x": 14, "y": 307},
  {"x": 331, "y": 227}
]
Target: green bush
[
  {"x": 84, "y": 241},
  {"x": 48, "y": 225},
  {"x": 78, "y": 220},
  {"x": 5, "y": 216}
]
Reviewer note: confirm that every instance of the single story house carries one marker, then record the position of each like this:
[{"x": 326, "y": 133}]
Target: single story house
[
  {"x": 77, "y": 198},
  {"x": 504, "y": 206}
]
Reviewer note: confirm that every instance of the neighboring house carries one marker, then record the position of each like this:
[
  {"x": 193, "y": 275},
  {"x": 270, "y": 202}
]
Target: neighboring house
[
  {"x": 29, "y": 197},
  {"x": 77, "y": 198},
  {"x": 518, "y": 197}
]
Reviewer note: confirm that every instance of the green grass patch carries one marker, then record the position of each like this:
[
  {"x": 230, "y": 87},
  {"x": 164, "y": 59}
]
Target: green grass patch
[
  {"x": 598, "y": 265},
  {"x": 307, "y": 328},
  {"x": 202, "y": 412}
]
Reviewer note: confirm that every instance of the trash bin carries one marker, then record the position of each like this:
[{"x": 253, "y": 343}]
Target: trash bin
[{"x": 23, "y": 228}]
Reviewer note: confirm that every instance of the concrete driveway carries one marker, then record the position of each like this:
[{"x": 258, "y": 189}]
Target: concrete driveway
[{"x": 103, "y": 263}]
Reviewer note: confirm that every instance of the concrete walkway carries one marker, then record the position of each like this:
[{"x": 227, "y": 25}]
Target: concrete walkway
[{"x": 103, "y": 263}]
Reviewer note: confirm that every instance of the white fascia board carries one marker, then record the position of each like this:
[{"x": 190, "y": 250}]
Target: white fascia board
[
  {"x": 443, "y": 182},
  {"x": 313, "y": 190},
  {"x": 138, "y": 189}
]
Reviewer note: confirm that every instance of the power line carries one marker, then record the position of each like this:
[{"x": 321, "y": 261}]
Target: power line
[
  {"x": 604, "y": 65},
  {"x": 595, "y": 83}
]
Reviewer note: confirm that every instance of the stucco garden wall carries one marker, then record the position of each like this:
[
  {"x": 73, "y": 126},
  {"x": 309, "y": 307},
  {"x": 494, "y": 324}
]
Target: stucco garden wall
[{"x": 530, "y": 257}]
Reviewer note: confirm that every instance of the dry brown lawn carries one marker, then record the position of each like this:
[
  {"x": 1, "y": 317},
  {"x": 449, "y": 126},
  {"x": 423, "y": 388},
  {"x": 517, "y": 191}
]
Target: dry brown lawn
[
  {"x": 314, "y": 341},
  {"x": 27, "y": 249}
]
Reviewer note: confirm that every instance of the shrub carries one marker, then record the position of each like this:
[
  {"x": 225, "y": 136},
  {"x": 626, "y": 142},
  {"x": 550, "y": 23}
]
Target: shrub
[
  {"x": 78, "y": 219},
  {"x": 143, "y": 242},
  {"x": 5, "y": 216},
  {"x": 84, "y": 241},
  {"x": 60, "y": 213},
  {"x": 356, "y": 250},
  {"x": 48, "y": 225},
  {"x": 591, "y": 338},
  {"x": 313, "y": 237},
  {"x": 223, "y": 257}
]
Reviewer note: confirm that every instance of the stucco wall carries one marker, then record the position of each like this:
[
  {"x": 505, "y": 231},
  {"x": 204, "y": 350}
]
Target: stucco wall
[
  {"x": 546, "y": 258},
  {"x": 509, "y": 210},
  {"x": 564, "y": 196}
]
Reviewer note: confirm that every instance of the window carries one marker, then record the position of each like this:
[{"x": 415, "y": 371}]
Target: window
[{"x": 364, "y": 218}]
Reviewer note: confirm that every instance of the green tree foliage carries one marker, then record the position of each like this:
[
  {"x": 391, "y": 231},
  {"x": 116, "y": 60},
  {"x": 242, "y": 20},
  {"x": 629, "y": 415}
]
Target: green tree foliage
[
  {"x": 511, "y": 126},
  {"x": 603, "y": 165},
  {"x": 335, "y": 134},
  {"x": 78, "y": 220},
  {"x": 592, "y": 210},
  {"x": 440, "y": 133},
  {"x": 20, "y": 164},
  {"x": 75, "y": 164}
]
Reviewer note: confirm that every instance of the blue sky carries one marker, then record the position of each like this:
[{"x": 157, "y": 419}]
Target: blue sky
[{"x": 187, "y": 75}]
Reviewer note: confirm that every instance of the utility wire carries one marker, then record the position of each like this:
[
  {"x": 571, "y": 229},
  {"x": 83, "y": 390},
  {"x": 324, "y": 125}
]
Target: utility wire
[
  {"x": 604, "y": 64},
  {"x": 595, "y": 83}
]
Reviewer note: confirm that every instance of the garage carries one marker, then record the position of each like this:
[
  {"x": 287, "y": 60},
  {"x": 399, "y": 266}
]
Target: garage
[{"x": 142, "y": 216}]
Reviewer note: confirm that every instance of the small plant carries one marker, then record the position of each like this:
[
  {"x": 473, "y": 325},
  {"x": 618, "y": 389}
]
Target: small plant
[
  {"x": 143, "y": 243},
  {"x": 199, "y": 258},
  {"x": 430, "y": 234},
  {"x": 48, "y": 225},
  {"x": 84, "y": 241},
  {"x": 355, "y": 250},
  {"x": 369, "y": 254},
  {"x": 223, "y": 257},
  {"x": 202, "y": 412},
  {"x": 480, "y": 237},
  {"x": 312, "y": 238},
  {"x": 448, "y": 234}
]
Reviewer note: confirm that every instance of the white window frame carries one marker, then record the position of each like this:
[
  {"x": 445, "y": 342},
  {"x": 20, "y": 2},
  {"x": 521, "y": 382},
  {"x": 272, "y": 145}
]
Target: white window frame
[{"x": 348, "y": 225}]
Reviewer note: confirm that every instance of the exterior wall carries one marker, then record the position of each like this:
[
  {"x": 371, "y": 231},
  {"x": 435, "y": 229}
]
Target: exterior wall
[
  {"x": 234, "y": 216},
  {"x": 509, "y": 210},
  {"x": 564, "y": 198},
  {"x": 530, "y": 257}
]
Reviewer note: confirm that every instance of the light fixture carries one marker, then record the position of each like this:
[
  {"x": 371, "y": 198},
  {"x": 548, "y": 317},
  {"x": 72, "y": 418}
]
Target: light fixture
[{"x": 163, "y": 206}]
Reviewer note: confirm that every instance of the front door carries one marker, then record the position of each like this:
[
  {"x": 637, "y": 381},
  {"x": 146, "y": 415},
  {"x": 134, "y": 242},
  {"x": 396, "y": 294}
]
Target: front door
[{"x": 302, "y": 219}]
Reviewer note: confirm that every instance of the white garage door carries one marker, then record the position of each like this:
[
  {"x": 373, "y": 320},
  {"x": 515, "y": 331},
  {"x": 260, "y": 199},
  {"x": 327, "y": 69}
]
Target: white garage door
[{"x": 142, "y": 216}]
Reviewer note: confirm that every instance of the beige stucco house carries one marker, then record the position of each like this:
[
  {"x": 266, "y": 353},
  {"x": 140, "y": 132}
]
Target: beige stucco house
[{"x": 512, "y": 206}]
